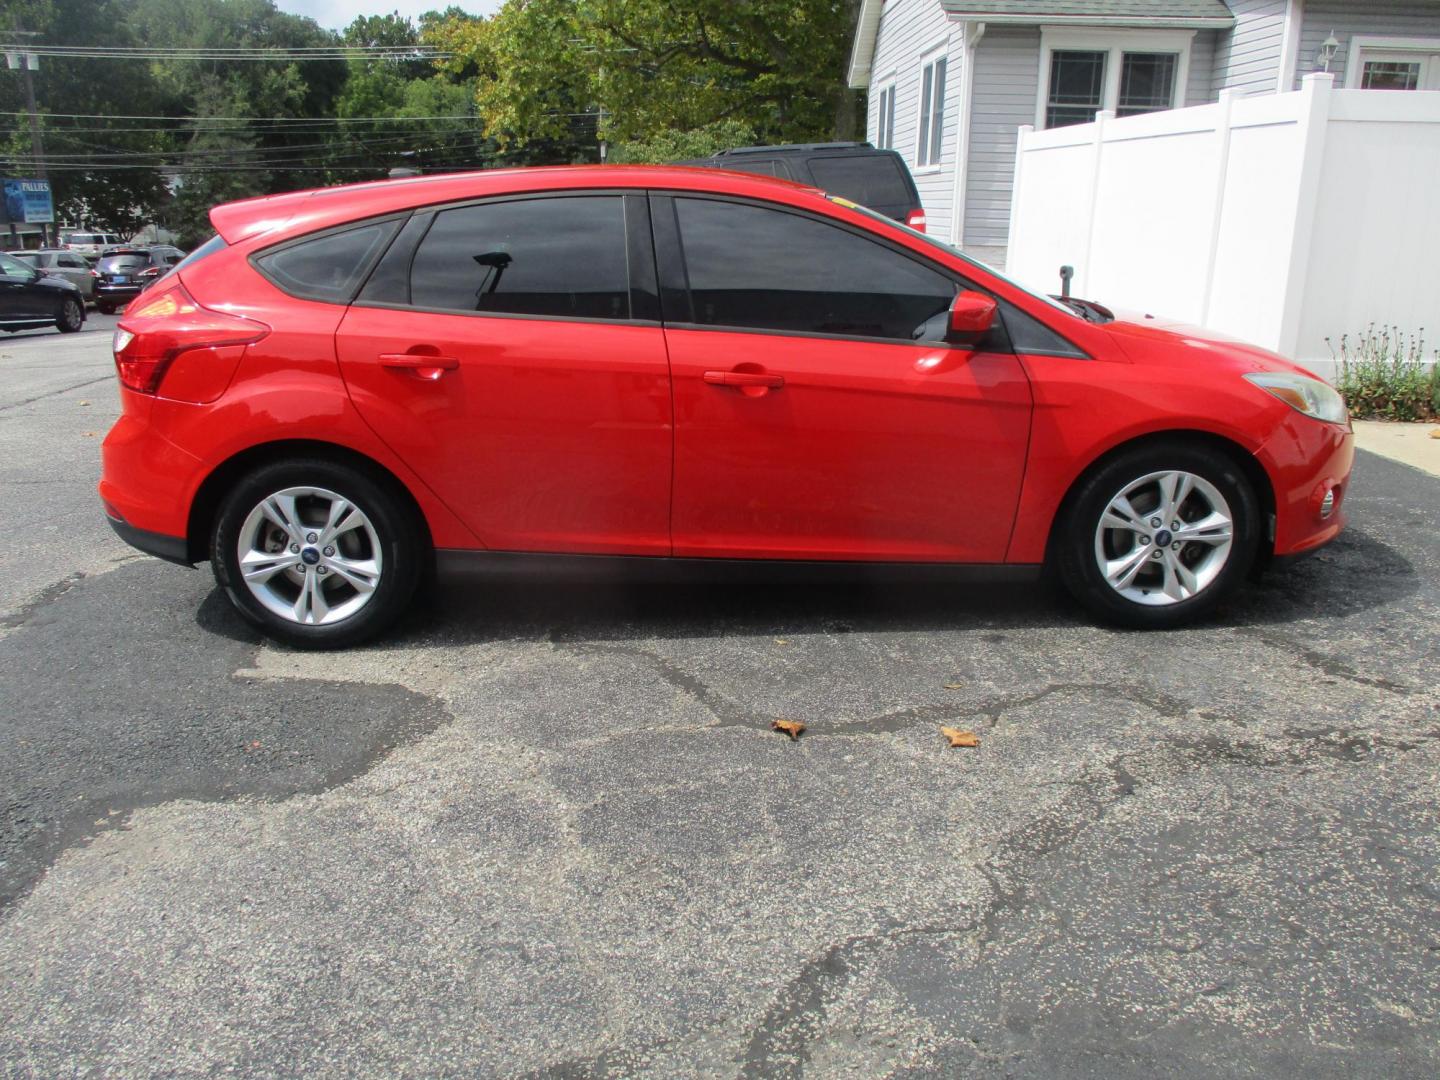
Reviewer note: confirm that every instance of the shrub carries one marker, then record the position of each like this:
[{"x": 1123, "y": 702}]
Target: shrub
[
  {"x": 1384, "y": 375},
  {"x": 667, "y": 146}
]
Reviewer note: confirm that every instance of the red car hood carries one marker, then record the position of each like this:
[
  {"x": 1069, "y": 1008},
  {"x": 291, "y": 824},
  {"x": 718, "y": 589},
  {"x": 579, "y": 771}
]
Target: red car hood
[{"x": 1151, "y": 339}]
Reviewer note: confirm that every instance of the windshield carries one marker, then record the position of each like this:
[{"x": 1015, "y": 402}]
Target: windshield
[
  {"x": 31, "y": 257},
  {"x": 957, "y": 253},
  {"x": 133, "y": 260}
]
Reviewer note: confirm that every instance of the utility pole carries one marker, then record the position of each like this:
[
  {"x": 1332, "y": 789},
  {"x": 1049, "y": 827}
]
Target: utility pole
[{"x": 28, "y": 62}]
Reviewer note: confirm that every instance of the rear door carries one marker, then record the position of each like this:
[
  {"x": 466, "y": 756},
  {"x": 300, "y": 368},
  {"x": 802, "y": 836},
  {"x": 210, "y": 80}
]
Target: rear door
[
  {"x": 818, "y": 413},
  {"x": 510, "y": 352}
]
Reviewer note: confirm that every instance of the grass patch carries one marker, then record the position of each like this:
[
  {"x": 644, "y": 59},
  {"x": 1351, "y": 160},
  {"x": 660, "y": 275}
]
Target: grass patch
[{"x": 1384, "y": 375}]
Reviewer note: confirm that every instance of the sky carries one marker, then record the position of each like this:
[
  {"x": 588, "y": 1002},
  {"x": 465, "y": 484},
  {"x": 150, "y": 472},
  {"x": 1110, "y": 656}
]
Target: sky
[{"x": 338, "y": 14}]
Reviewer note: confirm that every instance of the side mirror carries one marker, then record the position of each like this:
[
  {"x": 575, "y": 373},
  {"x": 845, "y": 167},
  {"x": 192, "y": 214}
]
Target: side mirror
[{"x": 972, "y": 314}]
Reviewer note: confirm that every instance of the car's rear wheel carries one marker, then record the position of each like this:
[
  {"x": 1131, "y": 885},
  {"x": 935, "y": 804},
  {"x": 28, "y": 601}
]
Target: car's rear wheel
[
  {"x": 1157, "y": 536},
  {"x": 71, "y": 317},
  {"x": 317, "y": 553}
]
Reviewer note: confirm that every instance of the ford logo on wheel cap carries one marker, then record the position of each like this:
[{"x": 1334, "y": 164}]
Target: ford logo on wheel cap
[{"x": 310, "y": 556}]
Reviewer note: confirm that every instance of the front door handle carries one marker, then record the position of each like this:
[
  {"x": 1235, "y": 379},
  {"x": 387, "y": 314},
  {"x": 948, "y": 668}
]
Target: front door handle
[
  {"x": 744, "y": 378},
  {"x": 429, "y": 368}
]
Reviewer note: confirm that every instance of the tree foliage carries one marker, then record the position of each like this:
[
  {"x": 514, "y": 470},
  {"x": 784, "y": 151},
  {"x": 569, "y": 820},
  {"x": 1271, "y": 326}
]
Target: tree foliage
[{"x": 645, "y": 67}]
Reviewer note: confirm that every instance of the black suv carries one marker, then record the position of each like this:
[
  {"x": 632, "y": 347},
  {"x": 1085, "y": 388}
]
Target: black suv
[
  {"x": 853, "y": 170},
  {"x": 123, "y": 272}
]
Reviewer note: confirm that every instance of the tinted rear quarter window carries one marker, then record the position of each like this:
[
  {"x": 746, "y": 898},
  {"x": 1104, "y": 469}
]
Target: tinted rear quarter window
[
  {"x": 872, "y": 180},
  {"x": 557, "y": 257},
  {"x": 208, "y": 248},
  {"x": 750, "y": 266},
  {"x": 329, "y": 267}
]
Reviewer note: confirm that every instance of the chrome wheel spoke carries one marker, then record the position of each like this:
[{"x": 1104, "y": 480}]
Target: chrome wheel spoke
[
  {"x": 1214, "y": 528},
  {"x": 310, "y": 606},
  {"x": 1180, "y": 583},
  {"x": 280, "y": 509},
  {"x": 1175, "y": 488},
  {"x": 259, "y": 566},
  {"x": 1123, "y": 571},
  {"x": 362, "y": 574},
  {"x": 343, "y": 518}
]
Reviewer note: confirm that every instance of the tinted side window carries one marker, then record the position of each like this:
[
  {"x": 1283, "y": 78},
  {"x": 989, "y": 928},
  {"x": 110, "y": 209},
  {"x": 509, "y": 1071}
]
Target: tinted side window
[
  {"x": 329, "y": 267},
  {"x": 1028, "y": 335},
  {"x": 765, "y": 167},
  {"x": 871, "y": 180},
  {"x": 552, "y": 257},
  {"x": 767, "y": 269}
]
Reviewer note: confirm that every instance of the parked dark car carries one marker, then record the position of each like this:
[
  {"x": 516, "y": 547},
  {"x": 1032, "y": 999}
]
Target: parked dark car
[
  {"x": 30, "y": 299},
  {"x": 855, "y": 171},
  {"x": 124, "y": 272}
]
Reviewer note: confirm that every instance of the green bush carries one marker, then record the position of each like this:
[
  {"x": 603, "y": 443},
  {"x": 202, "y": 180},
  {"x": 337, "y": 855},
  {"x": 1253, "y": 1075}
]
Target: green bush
[
  {"x": 1384, "y": 375},
  {"x": 675, "y": 145}
]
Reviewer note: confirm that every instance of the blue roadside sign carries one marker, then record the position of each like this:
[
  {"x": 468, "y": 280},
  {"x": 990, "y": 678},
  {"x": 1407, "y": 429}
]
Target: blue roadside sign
[{"x": 28, "y": 202}]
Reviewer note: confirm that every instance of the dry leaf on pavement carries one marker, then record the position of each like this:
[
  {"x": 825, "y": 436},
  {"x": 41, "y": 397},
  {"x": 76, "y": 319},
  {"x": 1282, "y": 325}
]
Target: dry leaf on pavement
[
  {"x": 793, "y": 728},
  {"x": 960, "y": 738},
  {"x": 954, "y": 686},
  {"x": 1435, "y": 433}
]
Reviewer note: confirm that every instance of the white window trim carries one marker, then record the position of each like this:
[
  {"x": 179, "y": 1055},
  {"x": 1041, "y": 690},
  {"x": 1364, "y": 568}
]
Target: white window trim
[
  {"x": 887, "y": 86},
  {"x": 1115, "y": 42},
  {"x": 935, "y": 52},
  {"x": 1359, "y": 43}
]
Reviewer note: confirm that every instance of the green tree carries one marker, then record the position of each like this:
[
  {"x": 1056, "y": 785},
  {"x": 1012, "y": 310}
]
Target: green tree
[{"x": 645, "y": 67}]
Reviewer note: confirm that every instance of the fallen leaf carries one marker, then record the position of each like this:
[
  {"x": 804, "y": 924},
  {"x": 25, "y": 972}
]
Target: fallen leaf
[
  {"x": 84, "y": 403},
  {"x": 960, "y": 738},
  {"x": 1435, "y": 433},
  {"x": 954, "y": 686},
  {"x": 89, "y": 434},
  {"x": 781, "y": 641},
  {"x": 793, "y": 728}
]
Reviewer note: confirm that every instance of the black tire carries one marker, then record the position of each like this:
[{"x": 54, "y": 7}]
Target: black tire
[
  {"x": 400, "y": 536},
  {"x": 1076, "y": 538},
  {"x": 105, "y": 308},
  {"x": 71, "y": 317}
]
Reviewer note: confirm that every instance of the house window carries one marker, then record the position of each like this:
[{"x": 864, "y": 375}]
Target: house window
[
  {"x": 885, "y": 120},
  {"x": 1385, "y": 63},
  {"x": 1127, "y": 72},
  {"x": 932, "y": 113},
  {"x": 1077, "y": 87}
]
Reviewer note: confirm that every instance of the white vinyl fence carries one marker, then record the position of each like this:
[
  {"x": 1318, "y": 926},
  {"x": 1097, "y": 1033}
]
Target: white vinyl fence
[{"x": 1282, "y": 219}]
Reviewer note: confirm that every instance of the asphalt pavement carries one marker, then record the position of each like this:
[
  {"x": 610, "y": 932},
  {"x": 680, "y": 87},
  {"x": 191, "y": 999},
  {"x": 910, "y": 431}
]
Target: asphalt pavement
[{"x": 545, "y": 828}]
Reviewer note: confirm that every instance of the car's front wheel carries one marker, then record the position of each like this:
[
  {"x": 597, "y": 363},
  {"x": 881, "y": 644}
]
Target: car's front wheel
[
  {"x": 317, "y": 553},
  {"x": 1157, "y": 536},
  {"x": 71, "y": 317}
]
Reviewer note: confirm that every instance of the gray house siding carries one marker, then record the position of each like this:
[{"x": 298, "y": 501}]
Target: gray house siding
[
  {"x": 909, "y": 29},
  {"x": 1007, "y": 82},
  {"x": 1390, "y": 18},
  {"x": 1248, "y": 57},
  {"x": 1007, "y": 85}
]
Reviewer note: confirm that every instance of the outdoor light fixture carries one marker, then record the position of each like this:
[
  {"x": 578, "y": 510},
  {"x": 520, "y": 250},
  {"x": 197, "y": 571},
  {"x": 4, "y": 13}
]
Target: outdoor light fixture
[{"x": 1328, "y": 48}]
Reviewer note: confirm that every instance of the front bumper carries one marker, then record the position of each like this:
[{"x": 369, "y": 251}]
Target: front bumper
[{"x": 1305, "y": 459}]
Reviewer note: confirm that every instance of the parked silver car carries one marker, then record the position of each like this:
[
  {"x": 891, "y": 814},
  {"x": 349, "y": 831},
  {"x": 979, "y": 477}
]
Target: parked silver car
[
  {"x": 90, "y": 244},
  {"x": 58, "y": 262}
]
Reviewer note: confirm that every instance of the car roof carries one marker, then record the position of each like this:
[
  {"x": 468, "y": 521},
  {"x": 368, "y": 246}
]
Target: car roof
[
  {"x": 801, "y": 148},
  {"x": 304, "y": 211}
]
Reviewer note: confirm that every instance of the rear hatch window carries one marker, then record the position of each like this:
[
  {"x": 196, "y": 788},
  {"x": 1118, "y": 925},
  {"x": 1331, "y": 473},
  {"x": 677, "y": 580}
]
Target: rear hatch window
[
  {"x": 123, "y": 263},
  {"x": 871, "y": 180}
]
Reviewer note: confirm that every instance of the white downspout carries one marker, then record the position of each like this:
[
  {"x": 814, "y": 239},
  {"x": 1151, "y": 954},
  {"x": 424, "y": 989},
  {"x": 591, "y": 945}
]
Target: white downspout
[
  {"x": 1290, "y": 46},
  {"x": 971, "y": 33}
]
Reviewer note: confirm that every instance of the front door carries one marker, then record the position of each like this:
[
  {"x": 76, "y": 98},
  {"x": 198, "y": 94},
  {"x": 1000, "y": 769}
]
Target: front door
[
  {"x": 498, "y": 350},
  {"x": 818, "y": 413}
]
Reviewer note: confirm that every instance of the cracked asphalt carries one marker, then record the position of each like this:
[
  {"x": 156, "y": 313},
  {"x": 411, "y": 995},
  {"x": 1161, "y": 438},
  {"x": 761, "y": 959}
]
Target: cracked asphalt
[{"x": 544, "y": 830}]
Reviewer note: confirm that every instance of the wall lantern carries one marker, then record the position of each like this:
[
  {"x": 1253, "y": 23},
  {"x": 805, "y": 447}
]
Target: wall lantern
[{"x": 1328, "y": 48}]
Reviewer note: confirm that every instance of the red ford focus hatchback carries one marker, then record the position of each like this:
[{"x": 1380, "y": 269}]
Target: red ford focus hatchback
[{"x": 345, "y": 389}]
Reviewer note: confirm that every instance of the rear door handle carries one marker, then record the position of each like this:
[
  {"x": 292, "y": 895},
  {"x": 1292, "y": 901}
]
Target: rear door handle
[
  {"x": 429, "y": 368},
  {"x": 744, "y": 378}
]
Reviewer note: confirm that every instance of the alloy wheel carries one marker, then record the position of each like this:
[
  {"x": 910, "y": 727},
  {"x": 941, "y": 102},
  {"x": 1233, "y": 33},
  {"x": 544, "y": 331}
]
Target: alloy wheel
[
  {"x": 310, "y": 556},
  {"x": 1164, "y": 538}
]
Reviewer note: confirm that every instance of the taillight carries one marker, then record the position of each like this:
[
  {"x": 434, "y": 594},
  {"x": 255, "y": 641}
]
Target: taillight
[
  {"x": 94, "y": 273},
  {"x": 916, "y": 220},
  {"x": 161, "y": 325}
]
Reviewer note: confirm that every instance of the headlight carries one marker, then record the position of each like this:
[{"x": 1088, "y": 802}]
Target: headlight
[{"x": 1304, "y": 394}]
